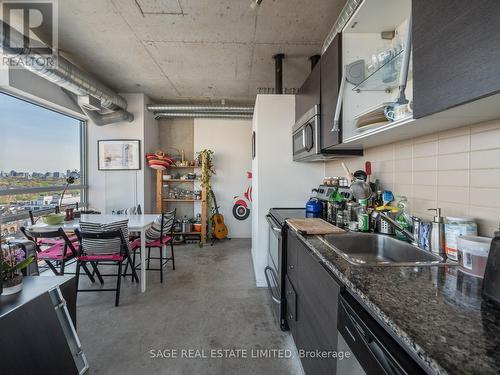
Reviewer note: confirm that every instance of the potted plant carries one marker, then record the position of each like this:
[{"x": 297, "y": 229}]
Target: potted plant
[{"x": 12, "y": 261}]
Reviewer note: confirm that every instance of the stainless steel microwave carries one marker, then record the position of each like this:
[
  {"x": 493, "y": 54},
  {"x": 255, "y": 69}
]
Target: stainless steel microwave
[
  {"x": 305, "y": 135},
  {"x": 307, "y": 142}
]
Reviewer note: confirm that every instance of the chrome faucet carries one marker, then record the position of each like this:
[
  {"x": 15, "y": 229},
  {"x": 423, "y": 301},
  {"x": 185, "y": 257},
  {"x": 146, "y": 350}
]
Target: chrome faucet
[{"x": 383, "y": 216}]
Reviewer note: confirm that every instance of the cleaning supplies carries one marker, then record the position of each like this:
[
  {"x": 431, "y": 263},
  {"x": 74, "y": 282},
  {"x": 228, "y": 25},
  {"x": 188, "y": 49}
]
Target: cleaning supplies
[
  {"x": 403, "y": 218},
  {"x": 363, "y": 216},
  {"x": 454, "y": 228},
  {"x": 437, "y": 233},
  {"x": 387, "y": 197}
]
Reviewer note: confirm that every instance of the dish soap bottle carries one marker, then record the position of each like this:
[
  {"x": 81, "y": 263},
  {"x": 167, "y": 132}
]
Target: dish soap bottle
[
  {"x": 437, "y": 233},
  {"x": 403, "y": 218},
  {"x": 363, "y": 216}
]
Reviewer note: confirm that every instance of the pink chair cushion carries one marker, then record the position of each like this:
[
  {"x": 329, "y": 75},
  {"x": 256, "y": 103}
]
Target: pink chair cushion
[
  {"x": 54, "y": 241},
  {"x": 56, "y": 252},
  {"x": 156, "y": 243},
  {"x": 103, "y": 257}
]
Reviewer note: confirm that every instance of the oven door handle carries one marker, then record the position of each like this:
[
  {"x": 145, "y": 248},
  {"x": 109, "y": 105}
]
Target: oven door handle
[
  {"x": 270, "y": 220},
  {"x": 266, "y": 270}
]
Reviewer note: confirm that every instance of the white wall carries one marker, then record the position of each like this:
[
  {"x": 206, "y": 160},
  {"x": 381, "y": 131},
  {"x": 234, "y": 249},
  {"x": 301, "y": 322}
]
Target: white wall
[
  {"x": 278, "y": 181},
  {"x": 114, "y": 190},
  {"x": 231, "y": 142}
]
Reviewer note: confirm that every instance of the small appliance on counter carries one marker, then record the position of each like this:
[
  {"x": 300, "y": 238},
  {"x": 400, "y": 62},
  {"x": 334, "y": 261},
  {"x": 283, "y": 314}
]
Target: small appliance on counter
[
  {"x": 491, "y": 281},
  {"x": 323, "y": 195}
]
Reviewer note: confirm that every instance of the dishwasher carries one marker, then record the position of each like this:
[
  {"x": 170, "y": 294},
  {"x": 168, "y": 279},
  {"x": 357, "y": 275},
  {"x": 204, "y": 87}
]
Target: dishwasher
[{"x": 372, "y": 350}]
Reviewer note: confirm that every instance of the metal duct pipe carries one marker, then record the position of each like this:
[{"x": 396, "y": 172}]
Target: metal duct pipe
[
  {"x": 197, "y": 108},
  {"x": 202, "y": 115},
  {"x": 108, "y": 118},
  {"x": 278, "y": 73},
  {"x": 349, "y": 8},
  {"x": 314, "y": 60},
  {"x": 65, "y": 74}
]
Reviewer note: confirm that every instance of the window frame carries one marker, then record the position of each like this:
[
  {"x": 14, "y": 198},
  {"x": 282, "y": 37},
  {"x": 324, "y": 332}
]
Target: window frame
[{"x": 83, "y": 186}]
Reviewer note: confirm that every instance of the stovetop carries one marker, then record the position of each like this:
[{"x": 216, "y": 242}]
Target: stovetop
[{"x": 281, "y": 214}]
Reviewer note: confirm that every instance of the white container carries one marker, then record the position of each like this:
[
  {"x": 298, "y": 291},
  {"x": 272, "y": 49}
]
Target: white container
[
  {"x": 473, "y": 254},
  {"x": 455, "y": 227}
]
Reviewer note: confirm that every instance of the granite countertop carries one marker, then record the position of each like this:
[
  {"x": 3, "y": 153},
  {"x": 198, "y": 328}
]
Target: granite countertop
[{"x": 437, "y": 312}]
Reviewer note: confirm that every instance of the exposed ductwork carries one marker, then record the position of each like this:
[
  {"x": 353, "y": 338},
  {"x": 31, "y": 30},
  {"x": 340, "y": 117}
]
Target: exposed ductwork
[
  {"x": 349, "y": 8},
  {"x": 202, "y": 115},
  {"x": 278, "y": 73},
  {"x": 197, "y": 108},
  {"x": 199, "y": 111},
  {"x": 108, "y": 118},
  {"x": 66, "y": 75}
]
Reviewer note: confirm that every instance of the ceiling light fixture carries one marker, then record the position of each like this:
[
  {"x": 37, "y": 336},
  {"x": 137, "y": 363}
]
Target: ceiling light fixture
[{"x": 255, "y": 3}]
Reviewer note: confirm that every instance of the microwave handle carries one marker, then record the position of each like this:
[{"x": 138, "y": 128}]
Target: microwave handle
[
  {"x": 304, "y": 138},
  {"x": 308, "y": 145},
  {"x": 340, "y": 99}
]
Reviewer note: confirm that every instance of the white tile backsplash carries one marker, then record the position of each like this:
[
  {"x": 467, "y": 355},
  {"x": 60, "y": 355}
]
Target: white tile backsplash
[{"x": 457, "y": 170}]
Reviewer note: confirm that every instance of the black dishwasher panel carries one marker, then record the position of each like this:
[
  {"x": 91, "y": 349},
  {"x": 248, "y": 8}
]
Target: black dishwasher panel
[{"x": 376, "y": 351}]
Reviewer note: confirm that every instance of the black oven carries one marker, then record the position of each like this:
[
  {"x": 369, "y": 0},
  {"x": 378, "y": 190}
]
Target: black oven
[
  {"x": 274, "y": 268},
  {"x": 276, "y": 258}
]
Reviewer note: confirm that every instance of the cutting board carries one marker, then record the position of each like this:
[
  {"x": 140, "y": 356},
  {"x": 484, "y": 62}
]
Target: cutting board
[{"x": 313, "y": 226}]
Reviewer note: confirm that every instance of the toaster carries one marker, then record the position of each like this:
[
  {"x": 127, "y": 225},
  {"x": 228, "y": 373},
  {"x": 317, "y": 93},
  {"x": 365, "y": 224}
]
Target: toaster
[{"x": 491, "y": 281}]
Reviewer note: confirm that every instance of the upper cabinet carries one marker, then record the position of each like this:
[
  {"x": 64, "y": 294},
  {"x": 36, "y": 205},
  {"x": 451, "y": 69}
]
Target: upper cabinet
[
  {"x": 309, "y": 93},
  {"x": 404, "y": 69},
  {"x": 331, "y": 70},
  {"x": 456, "y": 53}
]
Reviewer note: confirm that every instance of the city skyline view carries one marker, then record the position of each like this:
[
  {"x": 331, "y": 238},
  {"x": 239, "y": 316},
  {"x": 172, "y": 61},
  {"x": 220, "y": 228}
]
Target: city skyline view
[{"x": 27, "y": 129}]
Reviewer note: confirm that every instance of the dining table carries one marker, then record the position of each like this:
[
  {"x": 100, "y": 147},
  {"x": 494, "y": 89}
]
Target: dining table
[{"x": 136, "y": 223}]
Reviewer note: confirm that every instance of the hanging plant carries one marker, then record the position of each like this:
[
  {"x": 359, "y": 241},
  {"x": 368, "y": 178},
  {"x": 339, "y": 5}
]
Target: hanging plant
[
  {"x": 207, "y": 168},
  {"x": 204, "y": 158}
]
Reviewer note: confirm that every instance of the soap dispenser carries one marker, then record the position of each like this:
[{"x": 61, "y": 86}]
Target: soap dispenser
[{"x": 437, "y": 233}]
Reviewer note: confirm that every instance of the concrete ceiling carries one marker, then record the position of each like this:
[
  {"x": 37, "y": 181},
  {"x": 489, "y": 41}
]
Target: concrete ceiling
[{"x": 194, "y": 51}]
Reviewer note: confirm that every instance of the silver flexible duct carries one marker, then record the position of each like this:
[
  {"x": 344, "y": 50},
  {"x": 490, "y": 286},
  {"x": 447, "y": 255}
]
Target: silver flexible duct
[
  {"x": 109, "y": 118},
  {"x": 349, "y": 8},
  {"x": 197, "y": 108},
  {"x": 235, "y": 115},
  {"x": 64, "y": 74}
]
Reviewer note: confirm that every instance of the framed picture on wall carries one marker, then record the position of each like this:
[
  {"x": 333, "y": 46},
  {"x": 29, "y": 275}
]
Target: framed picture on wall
[{"x": 119, "y": 154}]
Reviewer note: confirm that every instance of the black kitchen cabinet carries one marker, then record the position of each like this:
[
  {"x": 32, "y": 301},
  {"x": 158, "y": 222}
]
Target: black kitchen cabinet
[
  {"x": 314, "y": 294},
  {"x": 456, "y": 53},
  {"x": 331, "y": 73},
  {"x": 309, "y": 93}
]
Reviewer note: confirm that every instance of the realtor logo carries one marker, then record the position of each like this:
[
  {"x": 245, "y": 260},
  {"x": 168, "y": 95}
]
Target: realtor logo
[{"x": 29, "y": 33}]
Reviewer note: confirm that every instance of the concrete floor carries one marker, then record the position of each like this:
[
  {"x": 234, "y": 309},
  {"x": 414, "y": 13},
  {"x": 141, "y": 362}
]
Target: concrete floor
[{"x": 209, "y": 302}]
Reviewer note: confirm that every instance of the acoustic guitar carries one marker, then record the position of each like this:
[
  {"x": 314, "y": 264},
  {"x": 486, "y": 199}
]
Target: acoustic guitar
[{"x": 219, "y": 227}]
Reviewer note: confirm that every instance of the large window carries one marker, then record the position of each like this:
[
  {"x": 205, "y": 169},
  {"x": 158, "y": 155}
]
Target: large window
[{"x": 39, "y": 149}]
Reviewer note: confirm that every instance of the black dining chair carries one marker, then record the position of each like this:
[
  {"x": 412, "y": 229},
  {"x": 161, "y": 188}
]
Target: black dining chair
[
  {"x": 159, "y": 235},
  {"x": 55, "y": 255},
  {"x": 48, "y": 241},
  {"x": 104, "y": 248}
]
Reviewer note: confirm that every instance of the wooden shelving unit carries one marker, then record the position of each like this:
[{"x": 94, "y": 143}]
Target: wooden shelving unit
[{"x": 162, "y": 203}]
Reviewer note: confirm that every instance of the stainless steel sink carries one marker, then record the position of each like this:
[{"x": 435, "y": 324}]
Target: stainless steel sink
[{"x": 368, "y": 249}]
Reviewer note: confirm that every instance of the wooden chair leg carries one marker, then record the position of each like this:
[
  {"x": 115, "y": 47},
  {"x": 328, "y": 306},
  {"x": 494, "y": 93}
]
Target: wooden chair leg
[
  {"x": 149, "y": 256},
  {"x": 118, "y": 284}
]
